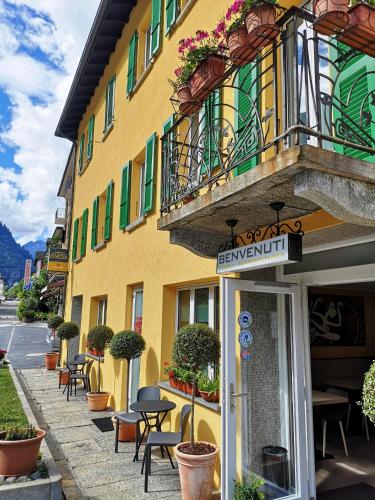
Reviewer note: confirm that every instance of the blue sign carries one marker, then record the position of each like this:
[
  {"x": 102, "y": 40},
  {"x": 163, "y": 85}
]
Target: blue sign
[
  {"x": 245, "y": 338},
  {"x": 245, "y": 355},
  {"x": 245, "y": 319}
]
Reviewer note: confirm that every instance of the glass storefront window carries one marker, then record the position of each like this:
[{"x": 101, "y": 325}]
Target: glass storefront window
[
  {"x": 201, "y": 298},
  {"x": 183, "y": 308}
]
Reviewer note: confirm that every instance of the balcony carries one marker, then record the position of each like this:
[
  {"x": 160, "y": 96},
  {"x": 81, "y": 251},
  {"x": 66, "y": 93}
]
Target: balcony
[
  {"x": 60, "y": 216},
  {"x": 298, "y": 124}
]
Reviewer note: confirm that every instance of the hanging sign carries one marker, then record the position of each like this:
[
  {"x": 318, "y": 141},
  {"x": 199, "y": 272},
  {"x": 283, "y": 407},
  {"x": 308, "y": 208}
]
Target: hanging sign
[
  {"x": 27, "y": 274},
  {"x": 245, "y": 319},
  {"x": 246, "y": 355},
  {"x": 58, "y": 261},
  {"x": 245, "y": 338},
  {"x": 283, "y": 249}
]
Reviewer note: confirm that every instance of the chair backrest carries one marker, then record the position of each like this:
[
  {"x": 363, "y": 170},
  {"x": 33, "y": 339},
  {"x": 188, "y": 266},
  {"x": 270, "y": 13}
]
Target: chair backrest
[
  {"x": 185, "y": 414},
  {"x": 148, "y": 393},
  {"x": 79, "y": 358},
  {"x": 338, "y": 392}
]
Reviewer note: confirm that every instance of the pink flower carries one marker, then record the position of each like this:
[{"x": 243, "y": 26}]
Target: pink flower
[
  {"x": 201, "y": 35},
  {"x": 216, "y": 34},
  {"x": 228, "y": 15},
  {"x": 178, "y": 72},
  {"x": 220, "y": 28},
  {"x": 192, "y": 47}
]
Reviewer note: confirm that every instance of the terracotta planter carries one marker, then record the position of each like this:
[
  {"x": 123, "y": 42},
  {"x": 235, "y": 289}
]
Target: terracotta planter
[
  {"x": 18, "y": 458},
  {"x": 210, "y": 397},
  {"x": 64, "y": 378},
  {"x": 97, "y": 352},
  {"x": 173, "y": 382},
  {"x": 207, "y": 76},
  {"x": 50, "y": 360},
  {"x": 360, "y": 32},
  {"x": 196, "y": 474},
  {"x": 188, "y": 105},
  {"x": 240, "y": 51},
  {"x": 126, "y": 432},
  {"x": 261, "y": 26},
  {"x": 331, "y": 16},
  {"x": 97, "y": 401},
  {"x": 189, "y": 389}
]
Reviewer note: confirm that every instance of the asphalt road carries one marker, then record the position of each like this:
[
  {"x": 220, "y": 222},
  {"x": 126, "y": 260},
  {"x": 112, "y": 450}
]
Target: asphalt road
[{"x": 25, "y": 343}]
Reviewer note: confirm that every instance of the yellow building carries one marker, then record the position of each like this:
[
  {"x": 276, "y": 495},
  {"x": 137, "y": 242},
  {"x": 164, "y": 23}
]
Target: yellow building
[{"x": 131, "y": 189}]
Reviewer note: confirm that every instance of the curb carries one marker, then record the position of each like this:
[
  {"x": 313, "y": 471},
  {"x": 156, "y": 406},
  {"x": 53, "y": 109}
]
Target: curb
[{"x": 40, "y": 489}]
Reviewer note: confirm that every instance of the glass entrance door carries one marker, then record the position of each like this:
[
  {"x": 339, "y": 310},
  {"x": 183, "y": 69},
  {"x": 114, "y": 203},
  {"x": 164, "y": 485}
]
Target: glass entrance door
[
  {"x": 264, "y": 420},
  {"x": 137, "y": 316}
]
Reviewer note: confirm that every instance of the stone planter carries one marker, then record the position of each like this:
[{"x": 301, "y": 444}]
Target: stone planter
[
  {"x": 187, "y": 105},
  {"x": 97, "y": 401},
  {"x": 360, "y": 32},
  {"x": 126, "y": 432},
  {"x": 261, "y": 25},
  {"x": 50, "y": 360},
  {"x": 19, "y": 458},
  {"x": 240, "y": 51},
  {"x": 207, "y": 76},
  {"x": 196, "y": 473},
  {"x": 331, "y": 16}
]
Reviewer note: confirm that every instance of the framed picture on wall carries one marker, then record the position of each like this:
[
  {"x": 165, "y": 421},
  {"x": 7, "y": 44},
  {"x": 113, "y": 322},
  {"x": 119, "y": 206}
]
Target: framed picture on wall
[{"x": 336, "y": 320}]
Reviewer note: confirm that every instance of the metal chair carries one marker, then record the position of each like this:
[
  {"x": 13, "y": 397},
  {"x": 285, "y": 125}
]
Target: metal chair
[
  {"x": 144, "y": 394},
  {"x": 334, "y": 413},
  {"x": 164, "y": 439},
  {"x": 84, "y": 377}
]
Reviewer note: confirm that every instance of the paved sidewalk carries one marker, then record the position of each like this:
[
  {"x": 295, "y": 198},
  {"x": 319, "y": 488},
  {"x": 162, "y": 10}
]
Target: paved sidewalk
[{"x": 84, "y": 455}]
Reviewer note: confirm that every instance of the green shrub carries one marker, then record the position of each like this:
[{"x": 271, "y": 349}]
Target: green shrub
[
  {"x": 20, "y": 433},
  {"x": 127, "y": 345},
  {"x": 54, "y": 321},
  {"x": 249, "y": 489},
  {"x": 29, "y": 315},
  {"x": 368, "y": 394},
  {"x": 99, "y": 337},
  {"x": 67, "y": 330},
  {"x": 26, "y": 304}
]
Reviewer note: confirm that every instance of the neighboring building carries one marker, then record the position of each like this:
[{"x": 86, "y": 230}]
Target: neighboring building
[{"x": 143, "y": 249}]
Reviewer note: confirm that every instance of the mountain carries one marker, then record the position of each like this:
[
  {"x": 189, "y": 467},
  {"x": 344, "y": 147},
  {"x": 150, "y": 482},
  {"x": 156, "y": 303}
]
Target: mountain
[
  {"x": 12, "y": 257},
  {"x": 35, "y": 246}
]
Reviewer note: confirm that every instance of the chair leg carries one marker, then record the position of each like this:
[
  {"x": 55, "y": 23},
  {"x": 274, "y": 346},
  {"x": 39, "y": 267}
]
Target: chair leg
[
  {"x": 147, "y": 456},
  {"x": 348, "y": 417},
  {"x": 366, "y": 427},
  {"x": 169, "y": 456},
  {"x": 137, "y": 437},
  {"x": 116, "y": 435},
  {"x": 324, "y": 437},
  {"x": 59, "y": 380},
  {"x": 343, "y": 437},
  {"x": 144, "y": 460}
]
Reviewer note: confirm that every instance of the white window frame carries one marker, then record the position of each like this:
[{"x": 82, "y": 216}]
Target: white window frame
[
  {"x": 148, "y": 48},
  {"x": 211, "y": 303},
  {"x": 102, "y": 310},
  {"x": 141, "y": 188}
]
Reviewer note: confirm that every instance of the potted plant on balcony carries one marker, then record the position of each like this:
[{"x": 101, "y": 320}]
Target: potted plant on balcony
[
  {"x": 360, "y": 31},
  {"x": 51, "y": 358},
  {"x": 19, "y": 448},
  {"x": 195, "y": 347},
  {"x": 98, "y": 338},
  {"x": 260, "y": 20},
  {"x": 127, "y": 345},
  {"x": 236, "y": 36},
  {"x": 209, "y": 388},
  {"x": 331, "y": 16},
  {"x": 181, "y": 87},
  {"x": 368, "y": 394}
]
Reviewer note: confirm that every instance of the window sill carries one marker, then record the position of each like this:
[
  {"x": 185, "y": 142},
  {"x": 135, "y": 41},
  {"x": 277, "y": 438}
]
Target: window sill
[
  {"x": 77, "y": 260},
  {"x": 133, "y": 225},
  {"x": 100, "y": 246},
  {"x": 85, "y": 166},
  {"x": 107, "y": 132},
  {"x": 142, "y": 78},
  {"x": 91, "y": 356},
  {"x": 198, "y": 400}
]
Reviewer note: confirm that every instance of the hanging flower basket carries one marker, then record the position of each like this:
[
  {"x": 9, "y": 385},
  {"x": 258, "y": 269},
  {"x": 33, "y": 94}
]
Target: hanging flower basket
[
  {"x": 207, "y": 76},
  {"x": 331, "y": 16},
  {"x": 187, "y": 104},
  {"x": 261, "y": 25},
  {"x": 240, "y": 50},
  {"x": 360, "y": 32}
]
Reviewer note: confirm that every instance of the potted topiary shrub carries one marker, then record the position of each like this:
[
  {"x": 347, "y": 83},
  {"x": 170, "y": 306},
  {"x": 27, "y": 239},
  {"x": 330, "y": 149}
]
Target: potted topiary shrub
[
  {"x": 67, "y": 331},
  {"x": 51, "y": 358},
  {"x": 368, "y": 394},
  {"x": 209, "y": 388},
  {"x": 127, "y": 345},
  {"x": 195, "y": 347},
  {"x": 99, "y": 338},
  {"x": 29, "y": 316},
  {"x": 19, "y": 448}
]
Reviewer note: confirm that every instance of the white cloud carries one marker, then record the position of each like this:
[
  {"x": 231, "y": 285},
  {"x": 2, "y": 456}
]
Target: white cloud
[{"x": 41, "y": 42}]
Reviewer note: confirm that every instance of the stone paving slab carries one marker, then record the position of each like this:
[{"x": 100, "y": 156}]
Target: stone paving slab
[{"x": 85, "y": 456}]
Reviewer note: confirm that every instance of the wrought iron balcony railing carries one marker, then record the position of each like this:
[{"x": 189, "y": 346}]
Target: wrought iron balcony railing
[{"x": 304, "y": 89}]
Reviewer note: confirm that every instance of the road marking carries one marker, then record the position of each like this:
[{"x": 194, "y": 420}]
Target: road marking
[
  {"x": 35, "y": 354},
  {"x": 11, "y": 338}
]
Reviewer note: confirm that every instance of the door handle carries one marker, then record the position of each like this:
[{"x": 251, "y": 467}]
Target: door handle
[
  {"x": 235, "y": 395},
  {"x": 238, "y": 395}
]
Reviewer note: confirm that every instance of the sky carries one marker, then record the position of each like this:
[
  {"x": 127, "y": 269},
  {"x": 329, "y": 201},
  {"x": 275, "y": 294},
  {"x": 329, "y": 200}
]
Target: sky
[{"x": 41, "y": 42}]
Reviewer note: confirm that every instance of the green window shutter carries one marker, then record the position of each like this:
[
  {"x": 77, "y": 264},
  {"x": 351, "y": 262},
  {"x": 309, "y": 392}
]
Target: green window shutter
[
  {"x": 94, "y": 226},
  {"x": 90, "y": 137},
  {"x": 171, "y": 14},
  {"x": 245, "y": 95},
  {"x": 148, "y": 192},
  {"x": 85, "y": 216},
  {"x": 155, "y": 26},
  {"x": 132, "y": 62},
  {"x": 81, "y": 151},
  {"x": 108, "y": 212},
  {"x": 211, "y": 114},
  {"x": 75, "y": 239},
  {"x": 125, "y": 195},
  {"x": 109, "y": 103}
]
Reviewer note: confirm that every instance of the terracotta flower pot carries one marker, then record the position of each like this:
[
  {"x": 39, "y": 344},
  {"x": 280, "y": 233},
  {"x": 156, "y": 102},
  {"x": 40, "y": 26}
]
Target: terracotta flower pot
[
  {"x": 18, "y": 458},
  {"x": 126, "y": 431},
  {"x": 172, "y": 382},
  {"x": 331, "y": 16},
  {"x": 64, "y": 378},
  {"x": 50, "y": 360},
  {"x": 210, "y": 397},
  {"x": 97, "y": 352},
  {"x": 196, "y": 473},
  {"x": 188, "y": 105},
  {"x": 207, "y": 76},
  {"x": 360, "y": 32},
  {"x": 240, "y": 51},
  {"x": 189, "y": 389},
  {"x": 97, "y": 401},
  {"x": 261, "y": 25}
]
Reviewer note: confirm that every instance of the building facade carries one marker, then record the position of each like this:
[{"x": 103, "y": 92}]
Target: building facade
[{"x": 158, "y": 195}]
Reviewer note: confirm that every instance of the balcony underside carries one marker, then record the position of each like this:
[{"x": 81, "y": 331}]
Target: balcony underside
[{"x": 305, "y": 178}]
